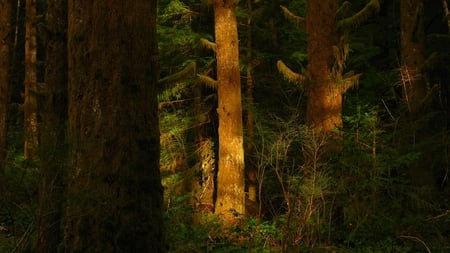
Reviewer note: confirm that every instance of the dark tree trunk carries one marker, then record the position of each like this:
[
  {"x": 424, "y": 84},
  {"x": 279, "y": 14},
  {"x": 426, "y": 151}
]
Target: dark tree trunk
[
  {"x": 30, "y": 83},
  {"x": 5, "y": 31},
  {"x": 412, "y": 53},
  {"x": 417, "y": 130},
  {"x": 251, "y": 168},
  {"x": 114, "y": 185},
  {"x": 53, "y": 151}
]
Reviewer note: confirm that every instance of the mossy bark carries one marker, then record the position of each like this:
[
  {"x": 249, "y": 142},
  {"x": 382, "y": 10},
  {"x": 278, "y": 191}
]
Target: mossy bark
[
  {"x": 5, "y": 31},
  {"x": 53, "y": 146},
  {"x": 114, "y": 186},
  {"x": 324, "y": 102},
  {"x": 231, "y": 174}
]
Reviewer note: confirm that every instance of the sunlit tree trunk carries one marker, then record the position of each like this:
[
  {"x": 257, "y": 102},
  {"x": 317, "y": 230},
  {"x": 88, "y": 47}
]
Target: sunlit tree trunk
[
  {"x": 5, "y": 32},
  {"x": 114, "y": 185},
  {"x": 53, "y": 150},
  {"x": 231, "y": 174},
  {"x": 30, "y": 83},
  {"x": 324, "y": 102}
]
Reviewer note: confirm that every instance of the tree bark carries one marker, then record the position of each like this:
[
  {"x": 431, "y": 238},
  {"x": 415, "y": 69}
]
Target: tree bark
[
  {"x": 114, "y": 188},
  {"x": 231, "y": 174},
  {"x": 412, "y": 53},
  {"x": 30, "y": 83},
  {"x": 324, "y": 102},
  {"x": 252, "y": 171},
  {"x": 5, "y": 31},
  {"x": 53, "y": 148},
  {"x": 412, "y": 36}
]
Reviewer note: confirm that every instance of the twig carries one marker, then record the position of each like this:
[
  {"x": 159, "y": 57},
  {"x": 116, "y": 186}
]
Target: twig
[
  {"x": 414, "y": 238},
  {"x": 438, "y": 216}
]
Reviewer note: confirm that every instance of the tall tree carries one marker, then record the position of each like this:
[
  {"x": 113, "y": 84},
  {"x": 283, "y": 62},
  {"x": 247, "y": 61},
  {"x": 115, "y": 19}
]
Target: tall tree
[
  {"x": 231, "y": 174},
  {"x": 114, "y": 186},
  {"x": 30, "y": 82},
  {"x": 324, "y": 103},
  {"x": 251, "y": 168},
  {"x": 415, "y": 91},
  {"x": 53, "y": 147},
  {"x": 412, "y": 37},
  {"x": 5, "y": 31},
  {"x": 325, "y": 81}
]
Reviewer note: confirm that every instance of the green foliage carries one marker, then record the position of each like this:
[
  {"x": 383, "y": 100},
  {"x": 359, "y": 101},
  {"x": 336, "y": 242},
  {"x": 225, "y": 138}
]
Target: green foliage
[
  {"x": 190, "y": 231},
  {"x": 18, "y": 202}
]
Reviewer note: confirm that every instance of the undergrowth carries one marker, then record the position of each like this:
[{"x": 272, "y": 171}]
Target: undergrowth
[{"x": 18, "y": 202}]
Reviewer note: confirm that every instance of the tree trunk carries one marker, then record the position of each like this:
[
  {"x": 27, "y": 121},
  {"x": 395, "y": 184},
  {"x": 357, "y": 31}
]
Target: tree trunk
[
  {"x": 412, "y": 36},
  {"x": 412, "y": 53},
  {"x": 30, "y": 83},
  {"x": 114, "y": 188},
  {"x": 206, "y": 157},
  {"x": 250, "y": 108},
  {"x": 5, "y": 31},
  {"x": 231, "y": 174},
  {"x": 324, "y": 102},
  {"x": 53, "y": 110}
]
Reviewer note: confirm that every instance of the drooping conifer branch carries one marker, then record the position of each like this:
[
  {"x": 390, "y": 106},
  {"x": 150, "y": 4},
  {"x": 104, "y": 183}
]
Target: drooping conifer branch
[
  {"x": 349, "y": 80},
  {"x": 208, "y": 81},
  {"x": 289, "y": 74},
  {"x": 208, "y": 44},
  {"x": 296, "y": 19},
  {"x": 344, "y": 9},
  {"x": 189, "y": 71},
  {"x": 354, "y": 21}
]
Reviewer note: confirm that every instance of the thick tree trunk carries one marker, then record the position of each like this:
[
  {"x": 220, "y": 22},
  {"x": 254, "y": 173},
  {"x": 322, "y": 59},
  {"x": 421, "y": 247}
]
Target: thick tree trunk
[
  {"x": 324, "y": 102},
  {"x": 412, "y": 53},
  {"x": 114, "y": 189},
  {"x": 53, "y": 150},
  {"x": 231, "y": 174},
  {"x": 30, "y": 83},
  {"x": 5, "y": 31},
  {"x": 415, "y": 90}
]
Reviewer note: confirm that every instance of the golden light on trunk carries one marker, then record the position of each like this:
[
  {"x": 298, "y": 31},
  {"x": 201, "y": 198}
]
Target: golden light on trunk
[
  {"x": 231, "y": 174},
  {"x": 324, "y": 102}
]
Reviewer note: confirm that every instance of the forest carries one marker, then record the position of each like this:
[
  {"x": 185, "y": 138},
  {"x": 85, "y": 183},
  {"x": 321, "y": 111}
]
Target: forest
[{"x": 224, "y": 126}]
